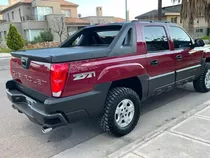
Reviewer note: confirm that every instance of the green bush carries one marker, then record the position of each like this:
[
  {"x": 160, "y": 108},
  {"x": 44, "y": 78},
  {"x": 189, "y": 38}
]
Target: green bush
[
  {"x": 14, "y": 39},
  {"x": 45, "y": 36},
  {"x": 205, "y": 38}
]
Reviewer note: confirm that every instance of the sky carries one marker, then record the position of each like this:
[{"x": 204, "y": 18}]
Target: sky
[{"x": 115, "y": 7}]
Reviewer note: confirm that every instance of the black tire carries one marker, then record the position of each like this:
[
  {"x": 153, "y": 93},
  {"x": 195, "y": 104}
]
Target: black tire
[
  {"x": 199, "y": 84},
  {"x": 107, "y": 119}
]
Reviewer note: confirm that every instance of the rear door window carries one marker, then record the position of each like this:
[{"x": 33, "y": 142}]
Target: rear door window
[{"x": 156, "y": 38}]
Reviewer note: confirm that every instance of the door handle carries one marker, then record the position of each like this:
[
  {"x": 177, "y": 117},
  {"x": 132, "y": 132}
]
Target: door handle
[
  {"x": 179, "y": 57},
  {"x": 154, "y": 62}
]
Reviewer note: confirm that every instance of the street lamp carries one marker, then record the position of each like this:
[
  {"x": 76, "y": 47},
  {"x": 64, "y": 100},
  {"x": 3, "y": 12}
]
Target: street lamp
[{"x": 126, "y": 10}]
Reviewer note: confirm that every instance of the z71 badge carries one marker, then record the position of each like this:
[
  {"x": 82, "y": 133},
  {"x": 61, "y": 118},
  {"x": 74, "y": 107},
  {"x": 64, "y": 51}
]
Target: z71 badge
[{"x": 85, "y": 75}]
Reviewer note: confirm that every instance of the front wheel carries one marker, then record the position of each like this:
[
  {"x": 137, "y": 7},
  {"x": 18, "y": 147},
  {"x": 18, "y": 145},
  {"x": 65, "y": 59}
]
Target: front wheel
[
  {"x": 121, "y": 112},
  {"x": 202, "y": 84}
]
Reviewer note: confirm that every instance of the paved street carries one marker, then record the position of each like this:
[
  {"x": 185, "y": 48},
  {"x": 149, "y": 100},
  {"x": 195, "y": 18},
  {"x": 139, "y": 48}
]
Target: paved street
[
  {"x": 4, "y": 63},
  {"x": 21, "y": 138}
]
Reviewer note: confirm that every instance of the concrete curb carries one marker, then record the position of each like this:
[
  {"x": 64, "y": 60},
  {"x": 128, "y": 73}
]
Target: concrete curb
[{"x": 121, "y": 152}]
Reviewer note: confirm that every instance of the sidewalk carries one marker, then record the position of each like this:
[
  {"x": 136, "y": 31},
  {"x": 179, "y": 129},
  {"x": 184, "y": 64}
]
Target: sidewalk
[
  {"x": 5, "y": 55},
  {"x": 190, "y": 138}
]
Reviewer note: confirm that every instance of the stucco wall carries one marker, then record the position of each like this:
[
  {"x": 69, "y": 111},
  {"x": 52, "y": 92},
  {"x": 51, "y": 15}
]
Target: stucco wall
[
  {"x": 73, "y": 10},
  {"x": 24, "y": 10},
  {"x": 5, "y": 27},
  {"x": 169, "y": 17},
  {"x": 34, "y": 25},
  {"x": 55, "y": 5},
  {"x": 99, "y": 19}
]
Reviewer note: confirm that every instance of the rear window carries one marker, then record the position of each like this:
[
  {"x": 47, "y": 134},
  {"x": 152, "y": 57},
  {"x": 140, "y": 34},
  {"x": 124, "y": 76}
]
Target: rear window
[
  {"x": 107, "y": 36},
  {"x": 94, "y": 36},
  {"x": 156, "y": 38}
]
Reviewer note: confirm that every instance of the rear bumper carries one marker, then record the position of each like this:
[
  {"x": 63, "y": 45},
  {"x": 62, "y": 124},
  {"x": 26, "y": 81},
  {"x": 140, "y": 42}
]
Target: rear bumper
[{"x": 54, "y": 112}]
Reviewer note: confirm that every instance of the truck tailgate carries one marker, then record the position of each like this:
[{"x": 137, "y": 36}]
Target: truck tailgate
[{"x": 35, "y": 75}]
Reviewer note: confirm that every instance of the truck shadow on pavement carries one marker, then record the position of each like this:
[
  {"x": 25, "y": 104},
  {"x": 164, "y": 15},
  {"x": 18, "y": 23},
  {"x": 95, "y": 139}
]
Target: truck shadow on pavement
[
  {"x": 69, "y": 136},
  {"x": 165, "y": 98},
  {"x": 75, "y": 129}
]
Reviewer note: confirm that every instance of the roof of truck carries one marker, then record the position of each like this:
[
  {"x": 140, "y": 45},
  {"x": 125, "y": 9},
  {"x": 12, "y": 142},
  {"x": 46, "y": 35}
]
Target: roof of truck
[{"x": 123, "y": 23}]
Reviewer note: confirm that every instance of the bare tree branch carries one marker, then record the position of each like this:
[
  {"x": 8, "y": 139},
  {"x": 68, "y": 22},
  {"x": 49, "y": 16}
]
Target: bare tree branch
[{"x": 59, "y": 26}]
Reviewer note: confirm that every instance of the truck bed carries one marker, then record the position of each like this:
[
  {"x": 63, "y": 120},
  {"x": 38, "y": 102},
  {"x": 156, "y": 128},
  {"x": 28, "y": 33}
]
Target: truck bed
[{"x": 58, "y": 55}]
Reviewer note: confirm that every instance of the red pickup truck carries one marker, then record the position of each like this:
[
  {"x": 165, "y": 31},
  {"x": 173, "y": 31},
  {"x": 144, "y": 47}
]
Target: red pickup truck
[{"x": 106, "y": 71}]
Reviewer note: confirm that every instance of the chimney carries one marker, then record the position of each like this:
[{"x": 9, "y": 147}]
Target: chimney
[
  {"x": 11, "y": 2},
  {"x": 99, "y": 11}
]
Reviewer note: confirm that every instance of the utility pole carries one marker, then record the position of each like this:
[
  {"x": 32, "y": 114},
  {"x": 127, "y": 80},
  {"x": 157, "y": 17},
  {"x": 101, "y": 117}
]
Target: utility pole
[
  {"x": 159, "y": 9},
  {"x": 126, "y": 10}
]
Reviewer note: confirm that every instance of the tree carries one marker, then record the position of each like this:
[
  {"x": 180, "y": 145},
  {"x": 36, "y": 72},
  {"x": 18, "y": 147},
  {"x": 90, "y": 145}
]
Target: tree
[
  {"x": 193, "y": 9},
  {"x": 46, "y": 36},
  {"x": 14, "y": 39},
  {"x": 59, "y": 26},
  {"x": 79, "y": 15},
  {"x": 159, "y": 9}
]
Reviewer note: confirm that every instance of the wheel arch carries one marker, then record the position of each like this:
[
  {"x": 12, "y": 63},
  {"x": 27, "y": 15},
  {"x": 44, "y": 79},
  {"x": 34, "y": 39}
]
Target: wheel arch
[{"x": 136, "y": 83}]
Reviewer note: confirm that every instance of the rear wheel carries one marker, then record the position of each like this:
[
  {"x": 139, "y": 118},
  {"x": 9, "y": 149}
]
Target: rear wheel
[
  {"x": 121, "y": 112},
  {"x": 202, "y": 84}
]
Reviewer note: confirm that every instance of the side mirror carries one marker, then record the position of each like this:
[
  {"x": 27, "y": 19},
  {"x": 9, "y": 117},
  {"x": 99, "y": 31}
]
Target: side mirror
[{"x": 199, "y": 43}]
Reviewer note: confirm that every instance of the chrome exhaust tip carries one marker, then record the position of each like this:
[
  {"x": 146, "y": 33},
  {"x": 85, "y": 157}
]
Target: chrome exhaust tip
[{"x": 46, "y": 129}]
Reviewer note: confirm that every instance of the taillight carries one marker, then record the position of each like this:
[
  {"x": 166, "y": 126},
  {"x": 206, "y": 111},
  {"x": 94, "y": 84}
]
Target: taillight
[
  {"x": 10, "y": 66},
  {"x": 58, "y": 74}
]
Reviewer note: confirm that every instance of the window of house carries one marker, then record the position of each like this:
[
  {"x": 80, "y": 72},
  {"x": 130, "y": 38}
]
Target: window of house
[
  {"x": 156, "y": 38},
  {"x": 20, "y": 15},
  {"x": 34, "y": 33},
  {"x": 66, "y": 12},
  {"x": 8, "y": 17},
  {"x": 199, "y": 30},
  {"x": 5, "y": 34},
  {"x": 40, "y": 12},
  {"x": 174, "y": 20},
  {"x": 31, "y": 34},
  {"x": 12, "y": 15},
  {"x": 180, "y": 37},
  {"x": 0, "y": 37}
]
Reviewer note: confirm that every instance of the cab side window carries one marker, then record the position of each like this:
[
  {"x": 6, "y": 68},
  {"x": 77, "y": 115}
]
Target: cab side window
[
  {"x": 180, "y": 37},
  {"x": 156, "y": 38}
]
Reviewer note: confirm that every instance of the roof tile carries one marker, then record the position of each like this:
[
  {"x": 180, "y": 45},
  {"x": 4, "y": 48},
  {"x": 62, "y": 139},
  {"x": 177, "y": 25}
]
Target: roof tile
[
  {"x": 116, "y": 19},
  {"x": 67, "y": 3},
  {"x": 76, "y": 20}
]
